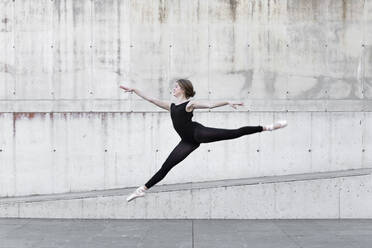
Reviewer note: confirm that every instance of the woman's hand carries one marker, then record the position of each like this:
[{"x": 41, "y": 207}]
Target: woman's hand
[
  {"x": 233, "y": 104},
  {"x": 127, "y": 89}
]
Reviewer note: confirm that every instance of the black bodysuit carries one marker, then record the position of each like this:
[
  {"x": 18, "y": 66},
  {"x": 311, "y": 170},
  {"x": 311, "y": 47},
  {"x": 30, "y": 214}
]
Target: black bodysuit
[
  {"x": 192, "y": 134},
  {"x": 182, "y": 122}
]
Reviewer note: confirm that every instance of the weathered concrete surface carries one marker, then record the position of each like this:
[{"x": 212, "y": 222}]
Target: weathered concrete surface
[
  {"x": 82, "y": 50},
  {"x": 66, "y": 126},
  {"x": 45, "y": 153}
]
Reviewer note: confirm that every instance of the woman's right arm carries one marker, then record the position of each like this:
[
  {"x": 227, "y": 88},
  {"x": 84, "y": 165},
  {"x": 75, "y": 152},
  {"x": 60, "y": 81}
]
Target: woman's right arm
[{"x": 161, "y": 104}]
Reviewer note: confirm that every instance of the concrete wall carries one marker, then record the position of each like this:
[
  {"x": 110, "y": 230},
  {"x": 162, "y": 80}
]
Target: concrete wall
[{"x": 66, "y": 126}]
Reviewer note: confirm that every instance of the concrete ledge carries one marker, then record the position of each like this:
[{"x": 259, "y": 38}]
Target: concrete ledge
[
  {"x": 191, "y": 186},
  {"x": 139, "y": 106},
  {"x": 332, "y": 195}
]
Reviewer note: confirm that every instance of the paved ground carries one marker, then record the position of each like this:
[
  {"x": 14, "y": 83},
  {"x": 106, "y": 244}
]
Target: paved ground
[{"x": 184, "y": 233}]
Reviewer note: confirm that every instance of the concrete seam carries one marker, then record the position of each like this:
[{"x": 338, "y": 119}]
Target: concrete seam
[{"x": 192, "y": 229}]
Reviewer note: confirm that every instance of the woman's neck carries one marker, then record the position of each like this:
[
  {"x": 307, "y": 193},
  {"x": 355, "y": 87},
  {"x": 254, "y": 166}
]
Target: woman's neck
[{"x": 182, "y": 100}]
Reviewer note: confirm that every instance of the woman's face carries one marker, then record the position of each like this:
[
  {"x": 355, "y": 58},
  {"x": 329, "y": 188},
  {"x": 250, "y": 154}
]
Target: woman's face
[{"x": 177, "y": 90}]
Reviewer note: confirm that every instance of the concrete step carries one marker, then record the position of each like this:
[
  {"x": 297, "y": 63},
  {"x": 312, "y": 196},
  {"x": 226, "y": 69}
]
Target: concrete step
[
  {"x": 191, "y": 186},
  {"x": 331, "y": 195}
]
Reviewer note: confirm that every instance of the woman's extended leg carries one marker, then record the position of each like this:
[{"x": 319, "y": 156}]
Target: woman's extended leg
[
  {"x": 179, "y": 153},
  {"x": 209, "y": 134}
]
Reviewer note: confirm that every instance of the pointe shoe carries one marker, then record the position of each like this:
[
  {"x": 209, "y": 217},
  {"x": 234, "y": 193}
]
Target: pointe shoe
[
  {"x": 139, "y": 192},
  {"x": 277, "y": 125}
]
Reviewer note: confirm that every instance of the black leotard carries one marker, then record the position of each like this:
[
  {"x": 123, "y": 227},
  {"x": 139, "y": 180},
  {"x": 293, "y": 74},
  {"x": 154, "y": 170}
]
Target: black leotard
[
  {"x": 193, "y": 133},
  {"x": 182, "y": 122}
]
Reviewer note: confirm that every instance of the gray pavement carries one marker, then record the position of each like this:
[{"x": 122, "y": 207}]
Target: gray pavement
[{"x": 184, "y": 233}]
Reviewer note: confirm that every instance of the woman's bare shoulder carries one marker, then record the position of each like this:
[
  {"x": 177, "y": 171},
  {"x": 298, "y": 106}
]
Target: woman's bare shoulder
[{"x": 190, "y": 105}]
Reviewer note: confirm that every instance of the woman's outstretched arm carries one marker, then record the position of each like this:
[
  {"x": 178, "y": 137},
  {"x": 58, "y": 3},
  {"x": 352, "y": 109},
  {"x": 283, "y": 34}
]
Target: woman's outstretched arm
[
  {"x": 161, "y": 104},
  {"x": 202, "y": 105}
]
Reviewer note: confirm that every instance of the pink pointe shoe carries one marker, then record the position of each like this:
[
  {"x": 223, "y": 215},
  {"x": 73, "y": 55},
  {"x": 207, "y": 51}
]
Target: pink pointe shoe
[
  {"x": 276, "y": 125},
  {"x": 139, "y": 192}
]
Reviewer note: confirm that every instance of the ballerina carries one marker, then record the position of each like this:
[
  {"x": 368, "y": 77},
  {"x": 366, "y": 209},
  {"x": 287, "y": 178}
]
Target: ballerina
[{"x": 192, "y": 133}]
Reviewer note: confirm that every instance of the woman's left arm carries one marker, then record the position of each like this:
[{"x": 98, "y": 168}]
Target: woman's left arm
[
  {"x": 199, "y": 105},
  {"x": 218, "y": 104}
]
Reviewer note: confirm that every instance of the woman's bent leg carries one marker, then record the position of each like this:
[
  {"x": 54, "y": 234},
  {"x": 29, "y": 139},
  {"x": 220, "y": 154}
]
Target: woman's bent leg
[
  {"x": 209, "y": 134},
  {"x": 179, "y": 153}
]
